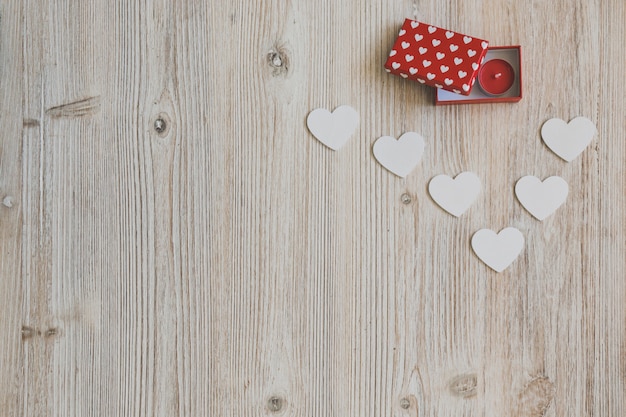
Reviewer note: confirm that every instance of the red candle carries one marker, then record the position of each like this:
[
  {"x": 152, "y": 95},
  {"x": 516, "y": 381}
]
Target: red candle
[{"x": 496, "y": 77}]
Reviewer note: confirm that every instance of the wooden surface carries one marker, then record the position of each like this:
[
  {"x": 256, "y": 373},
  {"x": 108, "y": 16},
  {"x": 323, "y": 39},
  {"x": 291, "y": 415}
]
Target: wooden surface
[{"x": 231, "y": 265}]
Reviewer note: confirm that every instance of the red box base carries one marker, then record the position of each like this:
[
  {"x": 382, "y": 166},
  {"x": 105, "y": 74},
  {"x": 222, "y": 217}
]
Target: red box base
[{"x": 511, "y": 54}]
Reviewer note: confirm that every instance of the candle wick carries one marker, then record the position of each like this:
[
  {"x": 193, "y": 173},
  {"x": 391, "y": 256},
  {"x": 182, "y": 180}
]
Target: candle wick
[{"x": 498, "y": 75}]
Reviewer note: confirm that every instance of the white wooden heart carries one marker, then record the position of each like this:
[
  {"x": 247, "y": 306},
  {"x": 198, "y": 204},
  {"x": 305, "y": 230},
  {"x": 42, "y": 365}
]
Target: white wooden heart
[
  {"x": 333, "y": 129},
  {"x": 455, "y": 195},
  {"x": 498, "y": 251},
  {"x": 568, "y": 140},
  {"x": 541, "y": 199},
  {"x": 402, "y": 155}
]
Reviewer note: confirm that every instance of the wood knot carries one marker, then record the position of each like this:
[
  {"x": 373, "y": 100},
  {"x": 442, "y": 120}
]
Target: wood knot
[
  {"x": 53, "y": 331},
  {"x": 405, "y": 403},
  {"x": 7, "y": 201},
  {"x": 29, "y": 332},
  {"x": 162, "y": 124},
  {"x": 278, "y": 60},
  {"x": 536, "y": 397},
  {"x": 464, "y": 385},
  {"x": 30, "y": 123},
  {"x": 275, "y": 404}
]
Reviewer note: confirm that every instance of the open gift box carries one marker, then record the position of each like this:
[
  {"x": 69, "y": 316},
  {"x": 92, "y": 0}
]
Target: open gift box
[{"x": 452, "y": 62}]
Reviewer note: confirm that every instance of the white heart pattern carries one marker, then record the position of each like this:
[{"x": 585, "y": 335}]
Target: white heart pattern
[
  {"x": 437, "y": 48},
  {"x": 455, "y": 195},
  {"x": 399, "y": 156},
  {"x": 402, "y": 32},
  {"x": 541, "y": 199},
  {"x": 393, "y": 52},
  {"x": 430, "y": 76},
  {"x": 498, "y": 251},
  {"x": 333, "y": 129},
  {"x": 568, "y": 140},
  {"x": 395, "y": 65}
]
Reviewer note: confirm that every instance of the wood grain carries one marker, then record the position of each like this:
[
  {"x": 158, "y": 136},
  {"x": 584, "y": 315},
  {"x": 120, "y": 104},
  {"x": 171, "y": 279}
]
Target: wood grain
[{"x": 228, "y": 264}]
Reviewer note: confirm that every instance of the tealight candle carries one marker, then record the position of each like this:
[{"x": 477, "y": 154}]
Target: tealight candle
[{"x": 496, "y": 76}]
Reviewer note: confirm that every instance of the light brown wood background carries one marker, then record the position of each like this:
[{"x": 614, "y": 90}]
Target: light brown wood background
[{"x": 234, "y": 266}]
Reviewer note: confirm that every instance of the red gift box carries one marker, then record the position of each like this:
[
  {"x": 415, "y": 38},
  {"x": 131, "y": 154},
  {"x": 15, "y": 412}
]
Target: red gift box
[{"x": 436, "y": 57}]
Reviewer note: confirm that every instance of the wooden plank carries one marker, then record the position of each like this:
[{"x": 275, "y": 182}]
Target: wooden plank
[
  {"x": 13, "y": 331},
  {"x": 68, "y": 211},
  {"x": 608, "y": 360},
  {"x": 178, "y": 243}
]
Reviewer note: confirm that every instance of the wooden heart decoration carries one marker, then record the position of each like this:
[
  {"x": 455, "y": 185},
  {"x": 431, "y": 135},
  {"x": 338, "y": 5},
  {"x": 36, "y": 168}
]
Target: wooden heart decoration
[
  {"x": 399, "y": 156},
  {"x": 499, "y": 250},
  {"x": 541, "y": 199},
  {"x": 568, "y": 140},
  {"x": 455, "y": 195},
  {"x": 333, "y": 129}
]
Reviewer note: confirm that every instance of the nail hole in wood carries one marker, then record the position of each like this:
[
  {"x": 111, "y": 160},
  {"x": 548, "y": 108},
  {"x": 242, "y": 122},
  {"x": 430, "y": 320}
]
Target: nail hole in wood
[
  {"x": 406, "y": 198},
  {"x": 275, "y": 60},
  {"x": 160, "y": 125},
  {"x": 275, "y": 404}
]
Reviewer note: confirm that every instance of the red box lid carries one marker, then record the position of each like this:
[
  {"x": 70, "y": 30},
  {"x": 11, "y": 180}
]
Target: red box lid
[{"x": 437, "y": 57}]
